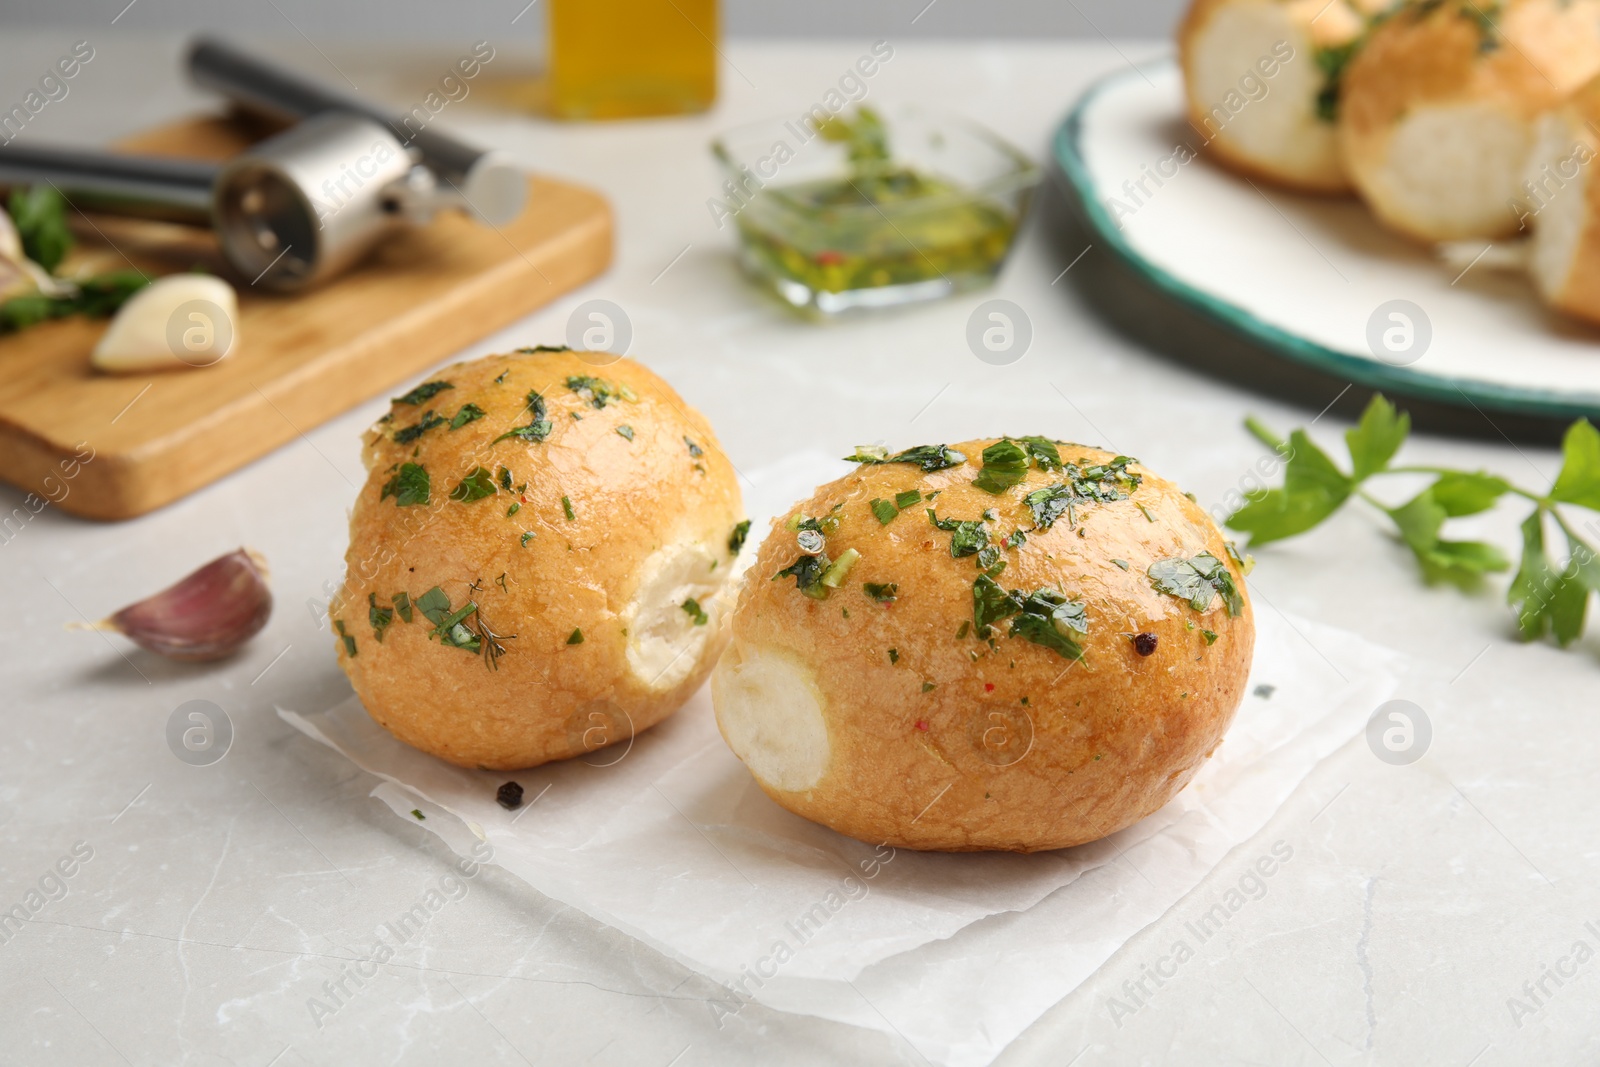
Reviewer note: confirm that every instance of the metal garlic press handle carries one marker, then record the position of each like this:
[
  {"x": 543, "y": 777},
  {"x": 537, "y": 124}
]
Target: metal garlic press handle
[
  {"x": 170, "y": 190},
  {"x": 482, "y": 182},
  {"x": 289, "y": 212}
]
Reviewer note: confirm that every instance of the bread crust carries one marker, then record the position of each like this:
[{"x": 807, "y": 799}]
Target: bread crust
[
  {"x": 1579, "y": 291},
  {"x": 550, "y": 695},
  {"x": 933, "y": 747},
  {"x": 1325, "y": 25},
  {"x": 1444, "y": 55}
]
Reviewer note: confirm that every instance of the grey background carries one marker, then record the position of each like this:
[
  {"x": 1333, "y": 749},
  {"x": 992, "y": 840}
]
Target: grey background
[{"x": 400, "y": 20}]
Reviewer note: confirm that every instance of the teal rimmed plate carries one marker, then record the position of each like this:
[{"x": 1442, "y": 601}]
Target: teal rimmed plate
[{"x": 1312, "y": 280}]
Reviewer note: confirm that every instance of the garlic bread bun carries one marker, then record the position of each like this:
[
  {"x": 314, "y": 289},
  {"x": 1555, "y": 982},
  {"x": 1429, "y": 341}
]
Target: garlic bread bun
[
  {"x": 538, "y": 560},
  {"x": 1439, "y": 107},
  {"x": 1261, "y": 82},
  {"x": 1561, "y": 203},
  {"x": 1031, "y": 668}
]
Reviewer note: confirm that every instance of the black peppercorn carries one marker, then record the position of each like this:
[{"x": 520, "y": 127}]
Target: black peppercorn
[
  {"x": 509, "y": 796},
  {"x": 1144, "y": 644}
]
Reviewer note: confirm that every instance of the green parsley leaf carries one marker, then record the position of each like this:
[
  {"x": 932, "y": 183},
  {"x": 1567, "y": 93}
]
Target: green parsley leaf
[
  {"x": 406, "y": 435},
  {"x": 478, "y": 484},
  {"x": 1579, "y": 480},
  {"x": 1005, "y": 464},
  {"x": 526, "y": 538},
  {"x": 1545, "y": 598},
  {"x": 468, "y": 413},
  {"x": 894, "y": 655},
  {"x": 695, "y": 451},
  {"x": 597, "y": 392},
  {"x": 448, "y": 625},
  {"x": 625, "y": 431},
  {"x": 1461, "y": 562},
  {"x": 807, "y": 573},
  {"x": 1313, "y": 489},
  {"x": 434, "y": 605},
  {"x": 544, "y": 348},
  {"x": 380, "y": 618},
  {"x": 990, "y": 604},
  {"x": 1462, "y": 493},
  {"x": 349, "y": 642},
  {"x": 737, "y": 538},
  {"x": 695, "y": 612},
  {"x": 566, "y": 506},
  {"x": 885, "y": 511},
  {"x": 1197, "y": 580},
  {"x": 1376, "y": 439},
  {"x": 882, "y": 592},
  {"x": 928, "y": 458},
  {"x": 1048, "y": 619},
  {"x": 40, "y": 215},
  {"x": 513, "y": 509},
  {"x": 575, "y": 638},
  {"x": 409, "y": 486},
  {"x": 928, "y": 687},
  {"x": 539, "y": 425},
  {"x": 97, "y": 297},
  {"x": 968, "y": 537},
  {"x": 906, "y": 499},
  {"x": 1045, "y": 455},
  {"x": 423, "y": 392},
  {"x": 402, "y": 604}
]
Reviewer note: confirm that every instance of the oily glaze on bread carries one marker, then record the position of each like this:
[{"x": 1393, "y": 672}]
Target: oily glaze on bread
[
  {"x": 598, "y": 534},
  {"x": 1439, "y": 108},
  {"x": 895, "y": 721}
]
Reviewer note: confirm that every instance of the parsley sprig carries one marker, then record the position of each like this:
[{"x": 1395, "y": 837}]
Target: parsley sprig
[{"x": 1550, "y": 591}]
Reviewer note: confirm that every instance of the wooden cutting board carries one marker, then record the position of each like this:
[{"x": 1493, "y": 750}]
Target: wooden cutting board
[{"x": 300, "y": 359}]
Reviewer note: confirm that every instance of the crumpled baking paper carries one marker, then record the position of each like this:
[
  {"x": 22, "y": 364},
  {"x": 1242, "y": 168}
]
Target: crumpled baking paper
[{"x": 670, "y": 840}]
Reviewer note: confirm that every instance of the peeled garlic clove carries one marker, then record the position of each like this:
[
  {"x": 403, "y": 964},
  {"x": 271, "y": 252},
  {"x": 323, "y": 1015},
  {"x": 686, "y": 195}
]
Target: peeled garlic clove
[
  {"x": 205, "y": 616},
  {"x": 181, "y": 320}
]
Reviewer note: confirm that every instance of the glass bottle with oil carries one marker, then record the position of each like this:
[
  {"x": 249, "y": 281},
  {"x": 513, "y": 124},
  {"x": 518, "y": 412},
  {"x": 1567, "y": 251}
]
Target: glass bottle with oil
[{"x": 614, "y": 59}]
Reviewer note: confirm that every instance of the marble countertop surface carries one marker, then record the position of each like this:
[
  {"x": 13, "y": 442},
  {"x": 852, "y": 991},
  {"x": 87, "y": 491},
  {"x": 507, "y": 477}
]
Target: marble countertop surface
[{"x": 207, "y": 905}]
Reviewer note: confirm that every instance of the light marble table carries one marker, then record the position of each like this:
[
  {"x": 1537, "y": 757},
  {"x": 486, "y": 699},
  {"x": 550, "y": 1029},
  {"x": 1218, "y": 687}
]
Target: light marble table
[{"x": 219, "y": 899}]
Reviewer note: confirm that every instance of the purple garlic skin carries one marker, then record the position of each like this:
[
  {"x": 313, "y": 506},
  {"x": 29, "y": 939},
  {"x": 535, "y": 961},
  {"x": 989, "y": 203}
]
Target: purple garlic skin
[{"x": 205, "y": 616}]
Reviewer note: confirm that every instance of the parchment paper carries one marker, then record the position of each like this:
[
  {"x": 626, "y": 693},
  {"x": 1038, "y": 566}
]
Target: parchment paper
[{"x": 671, "y": 841}]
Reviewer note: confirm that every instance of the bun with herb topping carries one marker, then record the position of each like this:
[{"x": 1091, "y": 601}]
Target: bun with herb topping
[
  {"x": 1439, "y": 108},
  {"x": 538, "y": 559},
  {"x": 1261, "y": 78},
  {"x": 1017, "y": 644}
]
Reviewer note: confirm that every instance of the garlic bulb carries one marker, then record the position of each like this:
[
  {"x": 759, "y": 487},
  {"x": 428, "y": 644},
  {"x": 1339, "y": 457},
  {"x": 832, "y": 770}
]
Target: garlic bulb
[
  {"x": 205, "y": 616},
  {"x": 181, "y": 320}
]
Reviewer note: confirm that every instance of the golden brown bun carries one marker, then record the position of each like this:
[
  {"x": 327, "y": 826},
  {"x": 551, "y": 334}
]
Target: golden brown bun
[
  {"x": 1437, "y": 117},
  {"x": 887, "y": 723},
  {"x": 1561, "y": 202},
  {"x": 649, "y": 528},
  {"x": 1269, "y": 127}
]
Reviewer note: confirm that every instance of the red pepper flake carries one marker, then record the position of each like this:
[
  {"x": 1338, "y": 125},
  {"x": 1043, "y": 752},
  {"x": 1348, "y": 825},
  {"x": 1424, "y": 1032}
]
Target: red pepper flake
[
  {"x": 829, "y": 258},
  {"x": 988, "y": 687},
  {"x": 922, "y": 724}
]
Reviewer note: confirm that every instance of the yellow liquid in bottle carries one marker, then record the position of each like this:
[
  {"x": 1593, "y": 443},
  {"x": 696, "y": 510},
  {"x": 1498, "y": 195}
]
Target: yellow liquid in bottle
[{"x": 614, "y": 59}]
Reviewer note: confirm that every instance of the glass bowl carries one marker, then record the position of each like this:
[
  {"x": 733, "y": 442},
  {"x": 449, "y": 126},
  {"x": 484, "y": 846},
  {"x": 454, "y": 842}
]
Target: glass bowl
[{"x": 832, "y": 228}]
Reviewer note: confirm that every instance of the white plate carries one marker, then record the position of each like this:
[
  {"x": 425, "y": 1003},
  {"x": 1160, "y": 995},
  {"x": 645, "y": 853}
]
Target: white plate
[{"x": 1306, "y": 275}]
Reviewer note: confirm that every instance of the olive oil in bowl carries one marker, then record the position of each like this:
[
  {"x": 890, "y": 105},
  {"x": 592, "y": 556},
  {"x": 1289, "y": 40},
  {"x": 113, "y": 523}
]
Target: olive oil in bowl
[{"x": 837, "y": 223}]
